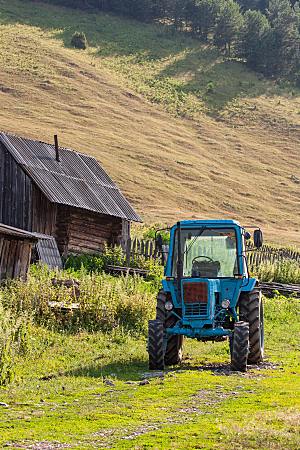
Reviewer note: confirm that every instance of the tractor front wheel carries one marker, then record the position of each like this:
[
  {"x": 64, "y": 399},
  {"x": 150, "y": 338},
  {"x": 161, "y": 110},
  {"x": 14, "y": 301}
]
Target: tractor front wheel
[
  {"x": 156, "y": 345},
  {"x": 251, "y": 310},
  {"x": 174, "y": 345},
  {"x": 239, "y": 346}
]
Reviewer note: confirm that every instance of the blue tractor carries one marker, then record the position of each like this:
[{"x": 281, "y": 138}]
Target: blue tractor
[{"x": 208, "y": 294}]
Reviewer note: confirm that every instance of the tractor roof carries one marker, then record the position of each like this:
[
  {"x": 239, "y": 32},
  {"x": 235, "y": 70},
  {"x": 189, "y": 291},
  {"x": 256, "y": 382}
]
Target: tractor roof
[{"x": 209, "y": 222}]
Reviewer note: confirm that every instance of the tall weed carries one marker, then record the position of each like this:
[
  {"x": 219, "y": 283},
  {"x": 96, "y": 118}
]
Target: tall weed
[
  {"x": 13, "y": 341},
  {"x": 105, "y": 302},
  {"x": 281, "y": 272}
]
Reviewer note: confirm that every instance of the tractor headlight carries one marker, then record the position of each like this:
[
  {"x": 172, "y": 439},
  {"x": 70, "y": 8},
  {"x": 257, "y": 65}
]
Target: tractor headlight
[
  {"x": 225, "y": 304},
  {"x": 169, "y": 305}
]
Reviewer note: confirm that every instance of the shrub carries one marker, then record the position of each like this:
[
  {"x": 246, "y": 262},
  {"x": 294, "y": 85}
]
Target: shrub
[
  {"x": 116, "y": 257},
  {"x": 13, "y": 341},
  {"x": 210, "y": 87},
  {"x": 149, "y": 232},
  {"x": 91, "y": 263},
  {"x": 79, "y": 40}
]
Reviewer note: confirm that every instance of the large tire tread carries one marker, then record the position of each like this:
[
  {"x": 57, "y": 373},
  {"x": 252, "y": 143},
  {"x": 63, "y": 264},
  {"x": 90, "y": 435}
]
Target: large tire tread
[
  {"x": 160, "y": 306},
  {"x": 173, "y": 353},
  {"x": 156, "y": 345},
  {"x": 240, "y": 346},
  {"x": 251, "y": 310}
]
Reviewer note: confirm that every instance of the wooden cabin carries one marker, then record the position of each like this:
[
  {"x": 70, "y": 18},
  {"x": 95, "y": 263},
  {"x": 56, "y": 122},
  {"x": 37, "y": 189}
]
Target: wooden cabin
[
  {"x": 15, "y": 252},
  {"x": 62, "y": 193}
]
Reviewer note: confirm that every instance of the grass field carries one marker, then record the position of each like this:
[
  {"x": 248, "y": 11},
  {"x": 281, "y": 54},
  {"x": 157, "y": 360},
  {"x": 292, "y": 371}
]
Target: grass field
[
  {"x": 184, "y": 133},
  {"x": 86, "y": 391}
]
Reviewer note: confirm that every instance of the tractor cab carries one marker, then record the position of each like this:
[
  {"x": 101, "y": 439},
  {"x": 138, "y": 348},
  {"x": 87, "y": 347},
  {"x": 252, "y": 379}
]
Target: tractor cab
[
  {"x": 206, "y": 253},
  {"x": 206, "y": 282}
]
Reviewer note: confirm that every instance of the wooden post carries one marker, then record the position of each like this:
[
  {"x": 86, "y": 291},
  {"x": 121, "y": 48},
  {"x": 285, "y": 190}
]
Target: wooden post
[
  {"x": 57, "y": 157},
  {"x": 151, "y": 248},
  {"x": 142, "y": 249},
  {"x": 128, "y": 251}
]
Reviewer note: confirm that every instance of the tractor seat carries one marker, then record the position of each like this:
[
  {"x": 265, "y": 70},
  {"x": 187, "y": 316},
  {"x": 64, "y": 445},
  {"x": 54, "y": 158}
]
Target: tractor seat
[{"x": 206, "y": 269}]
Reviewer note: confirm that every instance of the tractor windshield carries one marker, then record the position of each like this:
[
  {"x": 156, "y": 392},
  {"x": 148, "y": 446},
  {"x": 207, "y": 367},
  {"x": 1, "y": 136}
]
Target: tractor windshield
[{"x": 208, "y": 253}]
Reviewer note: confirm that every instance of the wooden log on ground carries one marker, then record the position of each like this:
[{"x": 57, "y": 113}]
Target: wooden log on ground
[
  {"x": 269, "y": 289},
  {"x": 120, "y": 270}
]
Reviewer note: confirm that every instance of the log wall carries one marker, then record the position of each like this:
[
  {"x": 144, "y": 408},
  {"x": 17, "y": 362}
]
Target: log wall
[{"x": 81, "y": 231}]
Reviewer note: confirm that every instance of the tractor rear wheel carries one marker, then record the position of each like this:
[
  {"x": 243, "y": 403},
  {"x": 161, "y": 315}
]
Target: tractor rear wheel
[
  {"x": 173, "y": 353},
  {"x": 239, "y": 346},
  {"x": 251, "y": 310},
  {"x": 156, "y": 345}
]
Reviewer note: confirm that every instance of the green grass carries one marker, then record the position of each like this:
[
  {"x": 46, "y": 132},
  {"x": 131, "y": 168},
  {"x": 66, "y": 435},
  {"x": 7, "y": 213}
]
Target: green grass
[{"x": 60, "y": 394}]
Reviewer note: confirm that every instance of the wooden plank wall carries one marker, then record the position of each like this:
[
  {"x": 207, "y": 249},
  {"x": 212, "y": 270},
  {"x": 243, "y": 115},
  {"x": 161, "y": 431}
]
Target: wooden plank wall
[
  {"x": 126, "y": 226},
  {"x": 81, "y": 231},
  {"x": 15, "y": 193},
  {"x": 44, "y": 213},
  {"x": 22, "y": 204},
  {"x": 15, "y": 258},
  {"x": 62, "y": 229}
]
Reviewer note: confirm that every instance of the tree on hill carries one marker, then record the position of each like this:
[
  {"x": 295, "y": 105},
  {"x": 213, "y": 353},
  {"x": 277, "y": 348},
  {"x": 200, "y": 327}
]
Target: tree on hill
[
  {"x": 205, "y": 17},
  {"x": 252, "y": 39},
  {"x": 260, "y": 5},
  {"x": 284, "y": 39},
  {"x": 228, "y": 25}
]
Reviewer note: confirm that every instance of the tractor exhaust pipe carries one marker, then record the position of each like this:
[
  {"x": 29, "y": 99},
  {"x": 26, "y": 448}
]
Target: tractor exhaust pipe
[{"x": 179, "y": 260}]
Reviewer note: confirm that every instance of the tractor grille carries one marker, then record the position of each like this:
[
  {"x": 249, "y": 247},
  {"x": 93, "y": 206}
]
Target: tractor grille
[
  {"x": 195, "y": 297},
  {"x": 196, "y": 309},
  {"x": 195, "y": 292}
]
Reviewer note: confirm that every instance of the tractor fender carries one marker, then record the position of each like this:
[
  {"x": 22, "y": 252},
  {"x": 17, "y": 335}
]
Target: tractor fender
[{"x": 249, "y": 285}]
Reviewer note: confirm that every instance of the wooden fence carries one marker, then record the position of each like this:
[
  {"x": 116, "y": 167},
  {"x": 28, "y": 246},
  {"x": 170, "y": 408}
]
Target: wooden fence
[
  {"x": 270, "y": 254},
  {"x": 134, "y": 248}
]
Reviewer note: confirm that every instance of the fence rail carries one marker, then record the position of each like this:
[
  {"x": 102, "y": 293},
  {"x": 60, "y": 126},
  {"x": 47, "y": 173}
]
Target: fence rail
[{"x": 134, "y": 248}]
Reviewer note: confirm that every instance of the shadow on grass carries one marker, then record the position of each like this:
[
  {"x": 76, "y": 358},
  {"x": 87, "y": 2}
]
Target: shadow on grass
[
  {"x": 225, "y": 368},
  {"x": 214, "y": 79},
  {"x": 136, "y": 369},
  {"x": 119, "y": 370},
  {"x": 130, "y": 370}
]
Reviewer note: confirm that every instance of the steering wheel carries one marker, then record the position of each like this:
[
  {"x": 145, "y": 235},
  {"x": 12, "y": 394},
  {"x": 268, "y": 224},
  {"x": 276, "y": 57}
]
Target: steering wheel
[{"x": 202, "y": 256}]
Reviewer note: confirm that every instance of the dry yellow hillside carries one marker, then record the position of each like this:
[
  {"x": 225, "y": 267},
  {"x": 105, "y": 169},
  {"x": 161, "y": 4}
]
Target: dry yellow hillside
[{"x": 242, "y": 161}]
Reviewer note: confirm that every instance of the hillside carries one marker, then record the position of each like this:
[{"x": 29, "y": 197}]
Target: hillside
[{"x": 184, "y": 133}]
